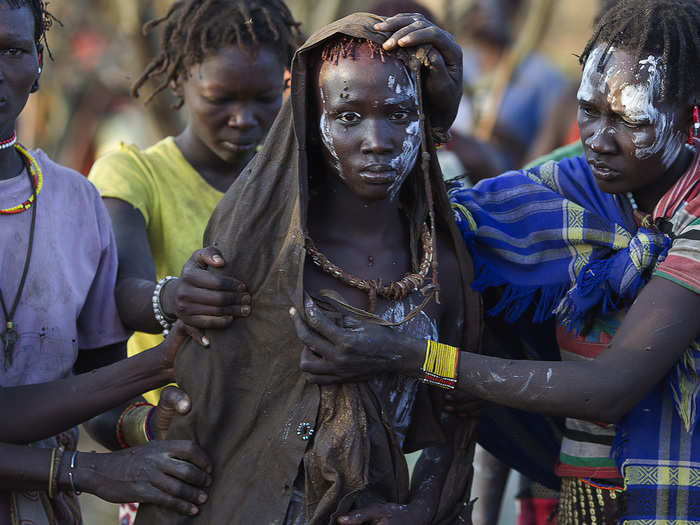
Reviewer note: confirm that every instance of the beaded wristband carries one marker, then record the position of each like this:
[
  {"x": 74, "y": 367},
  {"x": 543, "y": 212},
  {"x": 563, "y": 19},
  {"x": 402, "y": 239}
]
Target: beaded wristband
[
  {"x": 158, "y": 312},
  {"x": 440, "y": 365},
  {"x": 134, "y": 424}
]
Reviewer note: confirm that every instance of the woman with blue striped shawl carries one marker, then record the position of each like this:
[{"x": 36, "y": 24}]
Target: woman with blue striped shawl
[{"x": 609, "y": 244}]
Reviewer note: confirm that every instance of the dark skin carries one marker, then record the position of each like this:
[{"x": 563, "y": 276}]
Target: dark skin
[
  {"x": 19, "y": 75},
  {"x": 656, "y": 331},
  {"x": 175, "y": 473},
  {"x": 354, "y": 221},
  {"x": 231, "y": 99}
]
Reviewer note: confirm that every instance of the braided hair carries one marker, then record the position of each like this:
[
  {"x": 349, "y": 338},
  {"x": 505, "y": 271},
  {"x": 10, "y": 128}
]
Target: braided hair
[
  {"x": 43, "y": 20},
  {"x": 665, "y": 28},
  {"x": 197, "y": 28}
]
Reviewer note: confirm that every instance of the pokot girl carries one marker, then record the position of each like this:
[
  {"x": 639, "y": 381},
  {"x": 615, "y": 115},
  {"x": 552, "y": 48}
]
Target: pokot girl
[
  {"x": 609, "y": 242},
  {"x": 59, "y": 267}
]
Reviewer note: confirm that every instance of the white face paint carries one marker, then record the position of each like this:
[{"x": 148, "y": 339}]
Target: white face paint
[
  {"x": 327, "y": 136},
  {"x": 640, "y": 103},
  {"x": 404, "y": 162},
  {"x": 637, "y": 103}
]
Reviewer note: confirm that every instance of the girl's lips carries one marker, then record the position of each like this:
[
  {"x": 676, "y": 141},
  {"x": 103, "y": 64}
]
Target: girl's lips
[
  {"x": 603, "y": 172},
  {"x": 378, "y": 177}
]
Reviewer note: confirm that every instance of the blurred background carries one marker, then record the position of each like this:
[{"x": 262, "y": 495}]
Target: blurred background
[{"x": 520, "y": 78}]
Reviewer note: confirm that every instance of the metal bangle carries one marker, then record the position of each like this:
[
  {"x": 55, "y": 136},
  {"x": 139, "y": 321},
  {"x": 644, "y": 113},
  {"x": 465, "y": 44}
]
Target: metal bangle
[
  {"x": 158, "y": 312},
  {"x": 70, "y": 474}
]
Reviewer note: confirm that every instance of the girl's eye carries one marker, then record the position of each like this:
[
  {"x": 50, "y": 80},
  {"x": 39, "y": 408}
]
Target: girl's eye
[
  {"x": 588, "y": 110},
  {"x": 399, "y": 115},
  {"x": 349, "y": 117},
  {"x": 11, "y": 51},
  {"x": 634, "y": 125}
]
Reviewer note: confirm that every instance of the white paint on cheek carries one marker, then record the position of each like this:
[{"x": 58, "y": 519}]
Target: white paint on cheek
[
  {"x": 391, "y": 82},
  {"x": 327, "y": 136},
  {"x": 404, "y": 162},
  {"x": 639, "y": 101}
]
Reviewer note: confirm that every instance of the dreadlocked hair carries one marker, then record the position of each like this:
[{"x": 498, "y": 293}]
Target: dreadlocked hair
[
  {"x": 197, "y": 28},
  {"x": 347, "y": 47},
  {"x": 664, "y": 28},
  {"x": 43, "y": 20},
  {"x": 417, "y": 194}
]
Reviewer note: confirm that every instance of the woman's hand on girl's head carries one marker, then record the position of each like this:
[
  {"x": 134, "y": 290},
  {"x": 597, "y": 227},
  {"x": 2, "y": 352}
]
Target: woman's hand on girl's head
[
  {"x": 202, "y": 299},
  {"x": 443, "y": 83},
  {"x": 170, "y": 474}
]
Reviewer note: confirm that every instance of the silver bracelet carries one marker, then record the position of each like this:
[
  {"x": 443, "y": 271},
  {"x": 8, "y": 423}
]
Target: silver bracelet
[
  {"x": 158, "y": 312},
  {"x": 70, "y": 474}
]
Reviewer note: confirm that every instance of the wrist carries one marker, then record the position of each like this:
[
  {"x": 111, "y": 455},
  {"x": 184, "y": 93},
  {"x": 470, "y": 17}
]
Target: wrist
[
  {"x": 412, "y": 352},
  {"x": 168, "y": 295},
  {"x": 73, "y": 477}
]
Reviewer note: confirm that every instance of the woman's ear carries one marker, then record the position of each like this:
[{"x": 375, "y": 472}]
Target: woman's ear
[{"x": 40, "y": 68}]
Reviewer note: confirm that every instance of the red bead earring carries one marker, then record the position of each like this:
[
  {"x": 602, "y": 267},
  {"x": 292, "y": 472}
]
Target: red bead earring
[{"x": 695, "y": 128}]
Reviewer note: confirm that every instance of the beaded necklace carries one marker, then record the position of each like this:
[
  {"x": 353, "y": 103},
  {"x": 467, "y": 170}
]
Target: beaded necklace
[
  {"x": 36, "y": 178},
  {"x": 394, "y": 291}
]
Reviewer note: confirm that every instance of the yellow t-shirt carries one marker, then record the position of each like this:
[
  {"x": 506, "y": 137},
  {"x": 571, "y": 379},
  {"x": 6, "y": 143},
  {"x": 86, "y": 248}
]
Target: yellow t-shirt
[{"x": 173, "y": 198}]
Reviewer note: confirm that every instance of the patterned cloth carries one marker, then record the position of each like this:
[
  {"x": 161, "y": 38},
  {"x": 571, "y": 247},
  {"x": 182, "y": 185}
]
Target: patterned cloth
[{"x": 555, "y": 241}]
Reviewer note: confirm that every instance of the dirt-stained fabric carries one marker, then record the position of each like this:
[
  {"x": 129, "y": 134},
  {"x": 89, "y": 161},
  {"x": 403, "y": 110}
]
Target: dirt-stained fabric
[{"x": 252, "y": 411}]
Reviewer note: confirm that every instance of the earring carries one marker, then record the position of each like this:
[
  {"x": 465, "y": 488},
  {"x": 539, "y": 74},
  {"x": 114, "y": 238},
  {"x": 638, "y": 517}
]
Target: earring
[
  {"x": 695, "y": 129},
  {"x": 39, "y": 70}
]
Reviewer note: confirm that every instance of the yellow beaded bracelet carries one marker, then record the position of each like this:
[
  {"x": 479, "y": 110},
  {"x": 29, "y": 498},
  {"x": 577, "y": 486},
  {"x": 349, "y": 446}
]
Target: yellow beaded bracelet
[{"x": 440, "y": 365}]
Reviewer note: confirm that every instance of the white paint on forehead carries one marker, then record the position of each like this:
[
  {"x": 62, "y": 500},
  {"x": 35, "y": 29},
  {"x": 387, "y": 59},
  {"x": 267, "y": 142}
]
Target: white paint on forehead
[
  {"x": 587, "y": 88},
  {"x": 638, "y": 101},
  {"x": 327, "y": 136}
]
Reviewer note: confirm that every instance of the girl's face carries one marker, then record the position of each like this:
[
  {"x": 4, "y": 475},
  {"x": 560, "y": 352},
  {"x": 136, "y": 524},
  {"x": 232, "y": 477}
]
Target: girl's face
[
  {"x": 233, "y": 99},
  {"x": 19, "y": 64},
  {"x": 368, "y": 122},
  {"x": 630, "y": 136}
]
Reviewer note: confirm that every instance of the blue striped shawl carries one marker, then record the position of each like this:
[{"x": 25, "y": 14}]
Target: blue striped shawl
[{"x": 559, "y": 245}]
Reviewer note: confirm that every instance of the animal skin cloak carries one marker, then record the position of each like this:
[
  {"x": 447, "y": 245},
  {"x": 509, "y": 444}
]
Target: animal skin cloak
[{"x": 252, "y": 410}]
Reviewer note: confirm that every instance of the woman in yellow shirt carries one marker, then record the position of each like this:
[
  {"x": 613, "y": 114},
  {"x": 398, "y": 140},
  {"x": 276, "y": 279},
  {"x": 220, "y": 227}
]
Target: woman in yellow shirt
[{"x": 225, "y": 61}]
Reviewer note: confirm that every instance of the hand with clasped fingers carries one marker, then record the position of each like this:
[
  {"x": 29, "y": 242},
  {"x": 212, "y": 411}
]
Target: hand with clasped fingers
[
  {"x": 202, "y": 299},
  {"x": 443, "y": 81},
  {"x": 170, "y": 474},
  {"x": 355, "y": 351}
]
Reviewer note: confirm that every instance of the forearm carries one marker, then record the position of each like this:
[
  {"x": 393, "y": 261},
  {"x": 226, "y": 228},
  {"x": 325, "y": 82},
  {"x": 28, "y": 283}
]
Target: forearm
[
  {"x": 585, "y": 389},
  {"x": 135, "y": 303},
  {"x": 35, "y": 412}
]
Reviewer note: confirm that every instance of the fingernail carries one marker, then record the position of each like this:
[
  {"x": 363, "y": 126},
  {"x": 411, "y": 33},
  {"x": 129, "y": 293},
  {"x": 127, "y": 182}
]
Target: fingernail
[
  {"x": 292, "y": 311},
  {"x": 389, "y": 43},
  {"x": 194, "y": 511},
  {"x": 202, "y": 497},
  {"x": 183, "y": 406},
  {"x": 241, "y": 287},
  {"x": 205, "y": 340},
  {"x": 217, "y": 259},
  {"x": 245, "y": 299},
  {"x": 245, "y": 310},
  {"x": 403, "y": 40}
]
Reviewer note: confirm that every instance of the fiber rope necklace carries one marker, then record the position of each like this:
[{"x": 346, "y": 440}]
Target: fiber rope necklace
[
  {"x": 394, "y": 291},
  {"x": 9, "y": 333}
]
